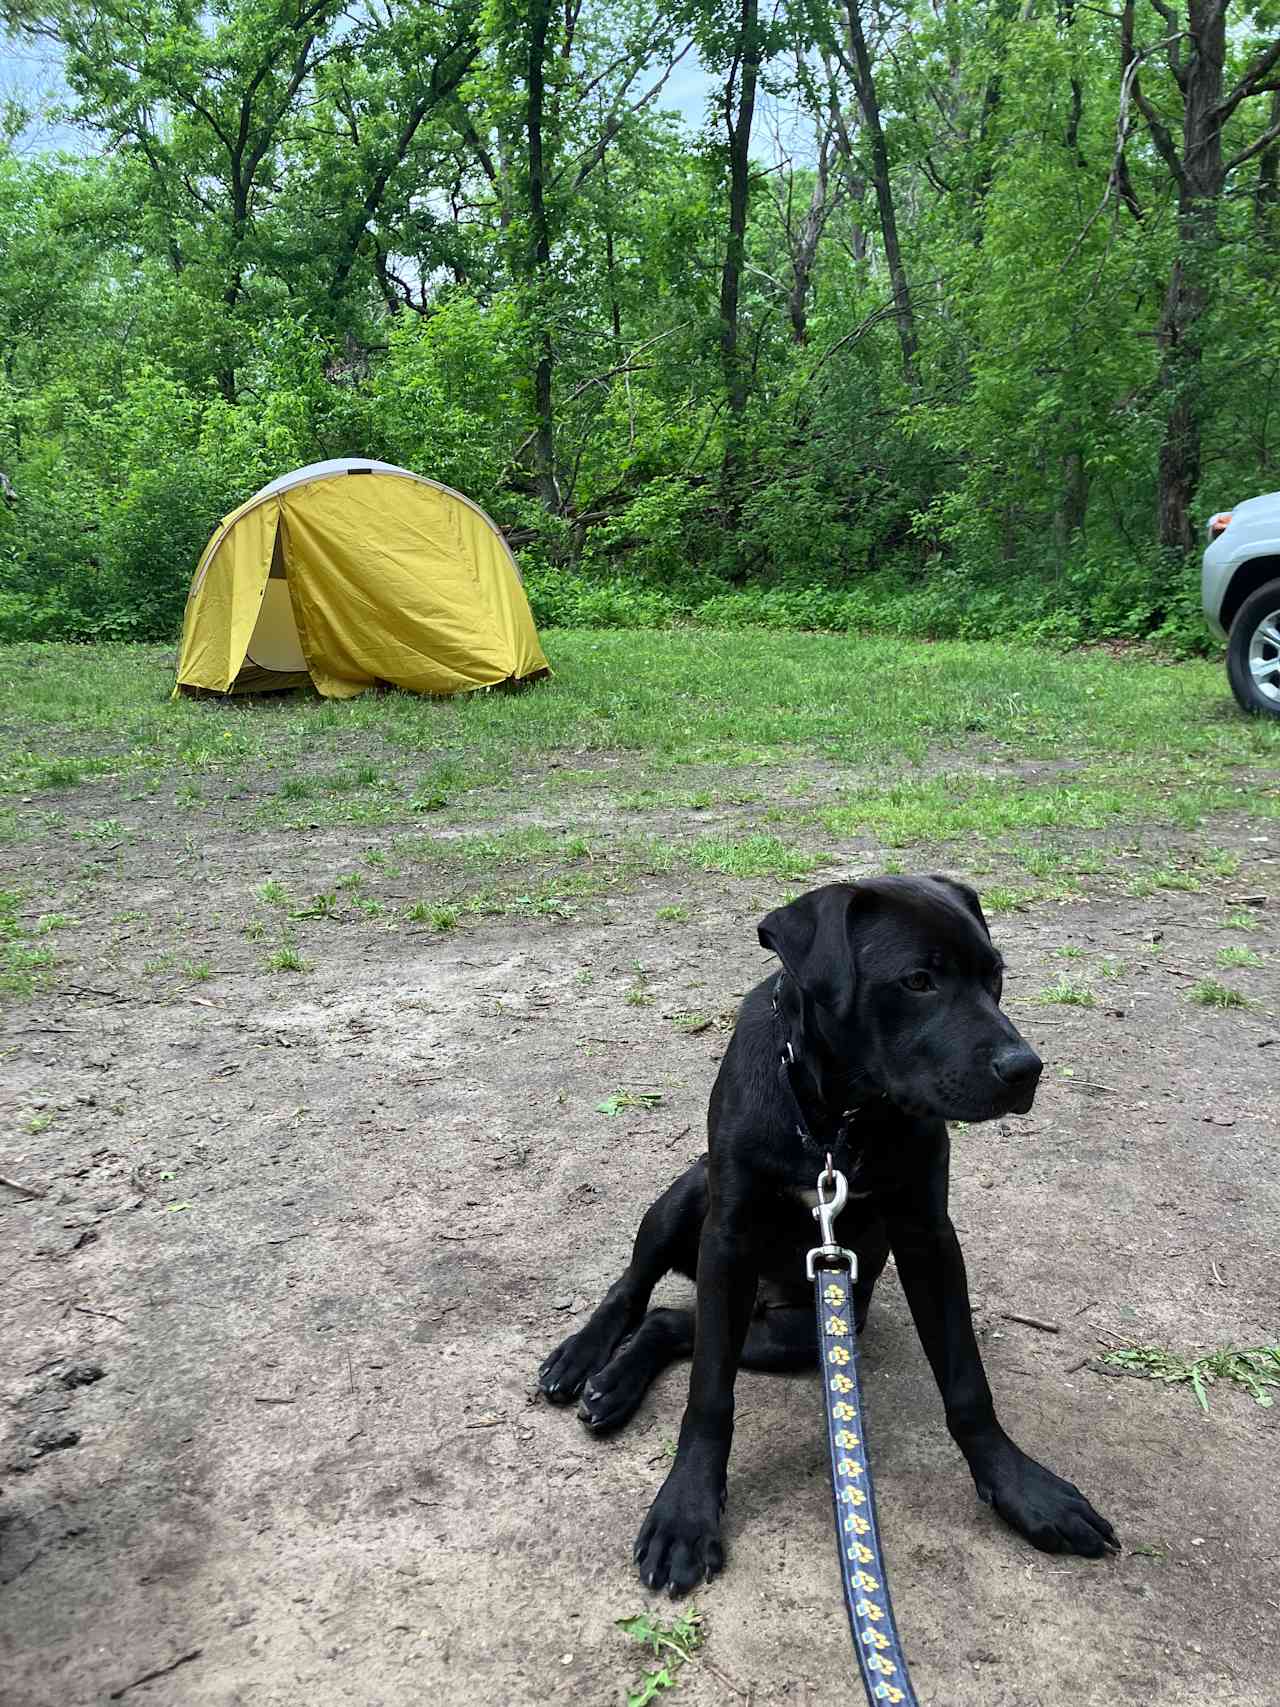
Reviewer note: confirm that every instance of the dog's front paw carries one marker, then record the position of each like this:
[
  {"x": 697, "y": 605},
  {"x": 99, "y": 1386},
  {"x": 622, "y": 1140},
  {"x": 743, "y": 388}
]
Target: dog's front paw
[
  {"x": 679, "y": 1542},
  {"x": 561, "y": 1376},
  {"x": 1052, "y": 1513}
]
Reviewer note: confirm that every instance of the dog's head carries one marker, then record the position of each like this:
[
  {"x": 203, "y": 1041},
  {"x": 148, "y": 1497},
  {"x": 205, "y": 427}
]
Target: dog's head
[{"x": 903, "y": 986}]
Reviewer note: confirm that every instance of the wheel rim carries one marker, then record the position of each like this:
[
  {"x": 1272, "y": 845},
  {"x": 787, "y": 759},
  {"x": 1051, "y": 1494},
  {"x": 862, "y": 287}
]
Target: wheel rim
[{"x": 1264, "y": 658}]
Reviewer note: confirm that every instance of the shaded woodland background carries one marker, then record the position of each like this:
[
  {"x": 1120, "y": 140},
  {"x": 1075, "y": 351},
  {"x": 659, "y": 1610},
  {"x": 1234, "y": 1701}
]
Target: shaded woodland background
[{"x": 954, "y": 317}]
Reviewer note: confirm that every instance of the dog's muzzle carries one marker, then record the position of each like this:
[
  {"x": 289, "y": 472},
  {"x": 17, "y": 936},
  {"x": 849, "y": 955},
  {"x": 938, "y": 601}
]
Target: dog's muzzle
[{"x": 1018, "y": 1068}]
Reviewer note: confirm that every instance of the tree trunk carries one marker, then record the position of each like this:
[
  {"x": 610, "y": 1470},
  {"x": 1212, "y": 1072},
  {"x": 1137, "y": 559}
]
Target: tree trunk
[
  {"x": 745, "y": 73},
  {"x": 865, "y": 88},
  {"x": 1073, "y": 502},
  {"x": 804, "y": 247},
  {"x": 1199, "y": 172},
  {"x": 544, "y": 448}
]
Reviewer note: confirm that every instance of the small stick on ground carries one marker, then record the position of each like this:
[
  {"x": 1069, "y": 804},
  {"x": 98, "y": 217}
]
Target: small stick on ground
[
  {"x": 84, "y": 1310},
  {"x": 1217, "y": 1277},
  {"x": 160, "y": 1671},
  {"x": 1031, "y": 1322},
  {"x": 17, "y": 1185}
]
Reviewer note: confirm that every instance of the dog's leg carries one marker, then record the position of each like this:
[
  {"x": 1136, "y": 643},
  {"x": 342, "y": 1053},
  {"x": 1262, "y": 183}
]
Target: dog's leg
[
  {"x": 668, "y": 1238},
  {"x": 779, "y": 1340},
  {"x": 873, "y": 1254},
  {"x": 1052, "y": 1513},
  {"x": 679, "y": 1541}
]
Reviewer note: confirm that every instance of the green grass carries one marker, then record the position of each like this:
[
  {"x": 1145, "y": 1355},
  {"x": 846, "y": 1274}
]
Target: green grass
[
  {"x": 672, "y": 1645},
  {"x": 286, "y": 959},
  {"x": 681, "y": 697},
  {"x": 1236, "y": 954},
  {"x": 1068, "y": 992},
  {"x": 1255, "y": 1370},
  {"x": 1240, "y": 920},
  {"x": 438, "y": 915},
  {"x": 1211, "y": 994}
]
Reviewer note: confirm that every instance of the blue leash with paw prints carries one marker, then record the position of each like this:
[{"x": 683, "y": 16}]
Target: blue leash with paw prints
[{"x": 833, "y": 1271}]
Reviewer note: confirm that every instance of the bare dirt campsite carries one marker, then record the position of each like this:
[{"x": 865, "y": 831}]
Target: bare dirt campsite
[{"x": 342, "y": 1046}]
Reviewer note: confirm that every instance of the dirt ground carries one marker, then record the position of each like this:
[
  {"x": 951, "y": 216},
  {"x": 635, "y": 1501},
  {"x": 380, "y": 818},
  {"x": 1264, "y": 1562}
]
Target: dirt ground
[{"x": 271, "y": 1325}]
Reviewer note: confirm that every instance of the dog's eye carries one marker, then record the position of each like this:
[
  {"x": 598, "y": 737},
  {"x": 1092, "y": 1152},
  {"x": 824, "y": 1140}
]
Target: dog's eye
[{"x": 919, "y": 981}]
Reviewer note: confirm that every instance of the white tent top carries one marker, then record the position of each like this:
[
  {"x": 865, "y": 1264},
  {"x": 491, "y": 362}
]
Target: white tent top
[{"x": 340, "y": 465}]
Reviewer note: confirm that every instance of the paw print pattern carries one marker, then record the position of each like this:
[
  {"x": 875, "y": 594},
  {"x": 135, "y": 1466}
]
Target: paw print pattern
[{"x": 875, "y": 1638}]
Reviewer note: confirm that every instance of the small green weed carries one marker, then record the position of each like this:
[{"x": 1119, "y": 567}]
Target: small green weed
[
  {"x": 1255, "y": 1369},
  {"x": 1241, "y": 920},
  {"x": 272, "y": 892},
  {"x": 673, "y": 1645},
  {"x": 1235, "y": 954},
  {"x": 350, "y": 880},
  {"x": 674, "y": 915},
  {"x": 996, "y": 898},
  {"x": 439, "y": 915},
  {"x": 198, "y": 970},
  {"x": 287, "y": 959},
  {"x": 1211, "y": 994},
  {"x": 255, "y": 930},
  {"x": 1071, "y": 994},
  {"x": 621, "y": 1100},
  {"x": 1069, "y": 951},
  {"x": 691, "y": 1022},
  {"x": 323, "y": 906}
]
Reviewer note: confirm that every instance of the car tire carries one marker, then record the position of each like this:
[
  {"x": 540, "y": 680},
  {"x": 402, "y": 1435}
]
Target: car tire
[{"x": 1253, "y": 653}]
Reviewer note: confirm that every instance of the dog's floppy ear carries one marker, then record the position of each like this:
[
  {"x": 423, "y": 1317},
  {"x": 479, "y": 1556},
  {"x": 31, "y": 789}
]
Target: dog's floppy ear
[
  {"x": 968, "y": 899},
  {"x": 812, "y": 938}
]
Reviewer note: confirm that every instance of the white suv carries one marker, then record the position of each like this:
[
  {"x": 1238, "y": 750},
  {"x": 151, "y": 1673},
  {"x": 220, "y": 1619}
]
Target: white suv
[{"x": 1240, "y": 588}]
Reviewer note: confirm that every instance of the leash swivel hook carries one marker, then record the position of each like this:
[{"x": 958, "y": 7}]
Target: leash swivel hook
[{"x": 833, "y": 1194}]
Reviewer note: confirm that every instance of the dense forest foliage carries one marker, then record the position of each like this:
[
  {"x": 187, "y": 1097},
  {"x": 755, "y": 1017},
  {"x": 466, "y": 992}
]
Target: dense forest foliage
[{"x": 954, "y": 316}]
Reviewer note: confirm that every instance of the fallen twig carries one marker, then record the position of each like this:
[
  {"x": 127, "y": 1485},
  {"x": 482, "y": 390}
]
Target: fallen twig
[
  {"x": 17, "y": 1185},
  {"x": 84, "y": 1310},
  {"x": 1031, "y": 1322},
  {"x": 160, "y": 1671}
]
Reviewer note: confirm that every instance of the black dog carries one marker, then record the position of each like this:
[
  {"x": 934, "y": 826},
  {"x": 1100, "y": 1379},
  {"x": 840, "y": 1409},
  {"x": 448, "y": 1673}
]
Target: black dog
[{"x": 884, "y": 1024}]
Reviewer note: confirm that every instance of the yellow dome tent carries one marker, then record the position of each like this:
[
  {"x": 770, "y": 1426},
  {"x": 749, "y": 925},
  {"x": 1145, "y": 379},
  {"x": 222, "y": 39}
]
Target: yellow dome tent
[{"x": 354, "y": 574}]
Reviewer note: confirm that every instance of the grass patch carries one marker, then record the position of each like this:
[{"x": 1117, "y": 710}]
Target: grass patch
[
  {"x": 1255, "y": 1370},
  {"x": 673, "y": 915},
  {"x": 1211, "y": 994},
  {"x": 1073, "y": 995},
  {"x": 286, "y": 959},
  {"x": 1236, "y": 954},
  {"x": 1240, "y": 920},
  {"x": 438, "y": 915},
  {"x": 620, "y": 1101},
  {"x": 672, "y": 1645},
  {"x": 853, "y": 699},
  {"x": 752, "y": 856}
]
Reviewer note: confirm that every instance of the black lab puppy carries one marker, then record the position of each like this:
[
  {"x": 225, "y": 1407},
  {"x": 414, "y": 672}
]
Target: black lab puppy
[{"x": 884, "y": 1024}]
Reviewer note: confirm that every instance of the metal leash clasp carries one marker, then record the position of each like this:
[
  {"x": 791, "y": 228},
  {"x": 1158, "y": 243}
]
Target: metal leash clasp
[{"x": 829, "y": 1254}]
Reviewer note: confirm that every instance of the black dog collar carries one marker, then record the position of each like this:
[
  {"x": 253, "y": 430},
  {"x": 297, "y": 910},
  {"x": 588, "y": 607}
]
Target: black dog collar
[{"x": 822, "y": 1142}]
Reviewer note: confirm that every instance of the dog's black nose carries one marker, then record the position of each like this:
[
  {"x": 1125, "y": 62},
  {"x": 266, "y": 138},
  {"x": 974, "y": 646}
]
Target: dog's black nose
[{"x": 1017, "y": 1066}]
